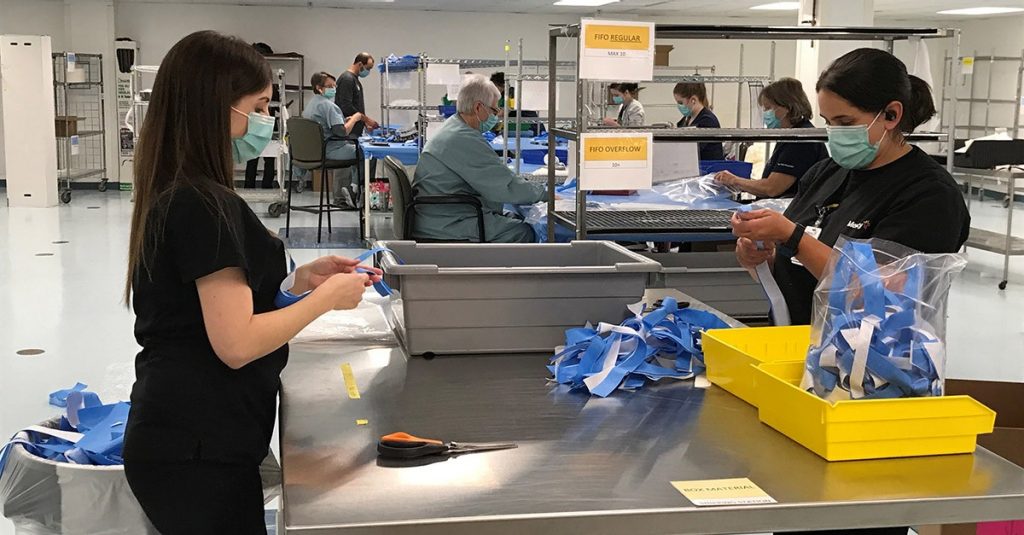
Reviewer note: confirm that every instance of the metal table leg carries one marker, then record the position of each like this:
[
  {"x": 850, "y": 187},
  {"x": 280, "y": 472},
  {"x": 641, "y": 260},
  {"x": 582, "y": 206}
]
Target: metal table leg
[{"x": 1010, "y": 181}]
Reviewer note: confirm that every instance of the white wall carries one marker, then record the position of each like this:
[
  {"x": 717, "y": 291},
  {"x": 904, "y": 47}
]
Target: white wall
[
  {"x": 32, "y": 17},
  {"x": 329, "y": 38}
]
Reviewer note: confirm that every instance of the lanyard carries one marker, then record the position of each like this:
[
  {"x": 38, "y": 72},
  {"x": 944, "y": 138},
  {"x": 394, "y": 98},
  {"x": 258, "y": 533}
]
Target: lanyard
[
  {"x": 823, "y": 212},
  {"x": 873, "y": 344},
  {"x": 780, "y": 310},
  {"x": 286, "y": 298},
  {"x": 663, "y": 344}
]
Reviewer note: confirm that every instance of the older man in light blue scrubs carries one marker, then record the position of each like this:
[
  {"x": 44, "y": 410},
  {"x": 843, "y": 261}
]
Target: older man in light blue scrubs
[
  {"x": 458, "y": 160},
  {"x": 336, "y": 127}
]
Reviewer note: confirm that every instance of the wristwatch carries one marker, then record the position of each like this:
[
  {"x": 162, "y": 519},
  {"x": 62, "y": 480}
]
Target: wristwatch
[{"x": 789, "y": 249}]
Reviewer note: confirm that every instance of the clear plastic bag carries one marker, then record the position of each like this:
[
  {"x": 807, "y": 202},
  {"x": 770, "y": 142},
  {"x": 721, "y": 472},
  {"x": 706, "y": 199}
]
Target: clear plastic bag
[
  {"x": 879, "y": 322},
  {"x": 366, "y": 323}
]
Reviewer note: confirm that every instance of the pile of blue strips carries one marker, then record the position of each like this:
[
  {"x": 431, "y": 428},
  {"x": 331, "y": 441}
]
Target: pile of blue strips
[
  {"x": 874, "y": 345},
  {"x": 663, "y": 344},
  {"x": 399, "y": 64},
  {"x": 90, "y": 433}
]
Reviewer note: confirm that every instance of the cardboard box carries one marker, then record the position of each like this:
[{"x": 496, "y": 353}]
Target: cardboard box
[
  {"x": 67, "y": 125},
  {"x": 1007, "y": 441},
  {"x": 661, "y": 53}
]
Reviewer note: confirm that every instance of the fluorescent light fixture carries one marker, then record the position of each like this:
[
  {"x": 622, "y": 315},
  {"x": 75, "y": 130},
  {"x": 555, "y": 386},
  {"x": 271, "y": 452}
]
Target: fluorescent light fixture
[
  {"x": 982, "y": 11},
  {"x": 778, "y": 6},
  {"x": 585, "y": 3}
]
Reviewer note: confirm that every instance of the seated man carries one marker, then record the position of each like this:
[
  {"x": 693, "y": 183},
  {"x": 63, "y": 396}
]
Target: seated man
[{"x": 457, "y": 160}]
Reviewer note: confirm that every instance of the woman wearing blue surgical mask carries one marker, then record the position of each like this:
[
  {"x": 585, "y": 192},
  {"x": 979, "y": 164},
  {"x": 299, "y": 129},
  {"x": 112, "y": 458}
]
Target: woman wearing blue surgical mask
[
  {"x": 337, "y": 130},
  {"x": 631, "y": 111},
  {"x": 875, "y": 185},
  {"x": 203, "y": 273},
  {"x": 692, "y": 101},
  {"x": 785, "y": 105}
]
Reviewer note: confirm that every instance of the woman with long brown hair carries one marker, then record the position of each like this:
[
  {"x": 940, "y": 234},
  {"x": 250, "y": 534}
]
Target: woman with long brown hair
[{"x": 203, "y": 274}]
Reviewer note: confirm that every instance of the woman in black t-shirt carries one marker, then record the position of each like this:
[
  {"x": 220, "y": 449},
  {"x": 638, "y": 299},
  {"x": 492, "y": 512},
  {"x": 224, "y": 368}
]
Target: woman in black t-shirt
[
  {"x": 203, "y": 273},
  {"x": 785, "y": 106},
  {"x": 874, "y": 186}
]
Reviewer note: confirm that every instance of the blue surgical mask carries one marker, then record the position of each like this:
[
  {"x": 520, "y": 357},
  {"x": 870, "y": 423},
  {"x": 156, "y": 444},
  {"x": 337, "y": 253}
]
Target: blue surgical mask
[
  {"x": 685, "y": 110},
  {"x": 849, "y": 145},
  {"x": 489, "y": 123},
  {"x": 365, "y": 72},
  {"x": 770, "y": 120},
  {"x": 257, "y": 136},
  {"x": 330, "y": 92},
  {"x": 618, "y": 99}
]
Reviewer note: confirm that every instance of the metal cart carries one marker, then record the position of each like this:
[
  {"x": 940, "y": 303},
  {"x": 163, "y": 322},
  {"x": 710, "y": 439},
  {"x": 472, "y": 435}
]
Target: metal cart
[
  {"x": 81, "y": 129},
  {"x": 674, "y": 31}
]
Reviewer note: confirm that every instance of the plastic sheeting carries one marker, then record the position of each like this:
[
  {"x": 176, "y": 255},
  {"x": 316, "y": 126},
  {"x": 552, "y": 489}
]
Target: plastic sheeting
[
  {"x": 367, "y": 323},
  {"x": 698, "y": 193},
  {"x": 44, "y": 497}
]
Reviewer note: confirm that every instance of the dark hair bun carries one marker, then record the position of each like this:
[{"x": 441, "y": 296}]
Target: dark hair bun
[{"x": 921, "y": 107}]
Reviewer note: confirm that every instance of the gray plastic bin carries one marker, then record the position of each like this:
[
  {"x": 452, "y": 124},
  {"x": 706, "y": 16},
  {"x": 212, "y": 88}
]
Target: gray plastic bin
[
  {"x": 717, "y": 279},
  {"x": 501, "y": 298}
]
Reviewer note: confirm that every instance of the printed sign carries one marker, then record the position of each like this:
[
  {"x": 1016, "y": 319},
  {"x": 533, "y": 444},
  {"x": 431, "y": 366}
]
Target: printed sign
[
  {"x": 967, "y": 65},
  {"x": 714, "y": 492},
  {"x": 616, "y": 161},
  {"x": 616, "y": 51}
]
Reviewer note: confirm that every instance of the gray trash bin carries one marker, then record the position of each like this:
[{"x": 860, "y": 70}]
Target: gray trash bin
[{"x": 502, "y": 298}]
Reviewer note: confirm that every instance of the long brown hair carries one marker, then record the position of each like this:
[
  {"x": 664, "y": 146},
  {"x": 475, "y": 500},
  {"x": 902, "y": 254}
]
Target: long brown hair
[{"x": 185, "y": 139}]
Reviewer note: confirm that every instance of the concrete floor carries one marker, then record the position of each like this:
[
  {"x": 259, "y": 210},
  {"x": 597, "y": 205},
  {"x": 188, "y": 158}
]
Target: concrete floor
[{"x": 65, "y": 298}]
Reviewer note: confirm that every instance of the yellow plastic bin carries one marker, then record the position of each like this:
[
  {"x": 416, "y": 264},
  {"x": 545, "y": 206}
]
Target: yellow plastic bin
[
  {"x": 732, "y": 354},
  {"x": 867, "y": 429}
]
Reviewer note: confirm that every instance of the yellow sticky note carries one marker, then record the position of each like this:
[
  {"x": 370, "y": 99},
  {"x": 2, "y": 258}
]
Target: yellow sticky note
[
  {"x": 350, "y": 381},
  {"x": 712, "y": 492},
  {"x": 362, "y": 422}
]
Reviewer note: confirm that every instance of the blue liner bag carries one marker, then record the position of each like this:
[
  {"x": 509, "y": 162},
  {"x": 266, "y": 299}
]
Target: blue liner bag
[{"x": 879, "y": 322}]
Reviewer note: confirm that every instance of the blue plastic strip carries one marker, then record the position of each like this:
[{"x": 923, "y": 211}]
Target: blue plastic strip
[{"x": 663, "y": 344}]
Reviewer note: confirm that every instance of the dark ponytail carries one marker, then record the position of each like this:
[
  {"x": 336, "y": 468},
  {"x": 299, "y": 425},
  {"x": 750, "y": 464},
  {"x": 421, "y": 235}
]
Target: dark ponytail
[{"x": 870, "y": 79}]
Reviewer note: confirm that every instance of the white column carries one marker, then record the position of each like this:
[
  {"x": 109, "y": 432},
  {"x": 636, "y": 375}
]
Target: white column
[
  {"x": 813, "y": 57},
  {"x": 89, "y": 29}
]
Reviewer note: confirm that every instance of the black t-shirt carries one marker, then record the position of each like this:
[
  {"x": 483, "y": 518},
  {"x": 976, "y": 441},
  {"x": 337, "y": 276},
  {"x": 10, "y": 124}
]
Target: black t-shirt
[
  {"x": 186, "y": 403},
  {"x": 706, "y": 119},
  {"x": 912, "y": 201},
  {"x": 349, "y": 98},
  {"x": 795, "y": 159}
]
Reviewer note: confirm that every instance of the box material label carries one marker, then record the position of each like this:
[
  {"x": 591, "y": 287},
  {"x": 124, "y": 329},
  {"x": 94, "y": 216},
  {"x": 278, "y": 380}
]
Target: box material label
[
  {"x": 614, "y": 51},
  {"x": 616, "y": 161},
  {"x": 714, "y": 492}
]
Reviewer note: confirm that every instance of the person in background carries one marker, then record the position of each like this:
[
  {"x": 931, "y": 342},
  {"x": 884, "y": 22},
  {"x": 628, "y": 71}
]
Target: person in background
[
  {"x": 692, "y": 100},
  {"x": 203, "y": 273},
  {"x": 349, "y": 96},
  {"x": 337, "y": 134},
  {"x": 785, "y": 106},
  {"x": 269, "y": 164},
  {"x": 631, "y": 111},
  {"x": 457, "y": 160},
  {"x": 498, "y": 79}
]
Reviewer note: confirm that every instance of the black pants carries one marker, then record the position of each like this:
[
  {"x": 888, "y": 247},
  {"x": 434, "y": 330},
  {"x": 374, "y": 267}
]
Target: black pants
[
  {"x": 269, "y": 173},
  {"x": 199, "y": 497}
]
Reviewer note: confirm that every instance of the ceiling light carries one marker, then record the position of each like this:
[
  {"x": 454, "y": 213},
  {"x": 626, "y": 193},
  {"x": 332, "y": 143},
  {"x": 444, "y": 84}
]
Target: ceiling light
[
  {"x": 778, "y": 6},
  {"x": 981, "y": 11},
  {"x": 585, "y": 3}
]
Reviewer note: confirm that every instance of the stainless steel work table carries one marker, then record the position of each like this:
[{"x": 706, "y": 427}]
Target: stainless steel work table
[{"x": 584, "y": 465}]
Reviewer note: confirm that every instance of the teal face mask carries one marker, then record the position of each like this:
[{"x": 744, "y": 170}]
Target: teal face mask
[
  {"x": 330, "y": 92},
  {"x": 365, "y": 72},
  {"x": 489, "y": 123},
  {"x": 849, "y": 145},
  {"x": 770, "y": 120},
  {"x": 618, "y": 99},
  {"x": 257, "y": 136},
  {"x": 685, "y": 110}
]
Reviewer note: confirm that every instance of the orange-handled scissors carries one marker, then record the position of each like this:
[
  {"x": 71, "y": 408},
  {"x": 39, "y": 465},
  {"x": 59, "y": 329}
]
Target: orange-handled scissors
[{"x": 406, "y": 446}]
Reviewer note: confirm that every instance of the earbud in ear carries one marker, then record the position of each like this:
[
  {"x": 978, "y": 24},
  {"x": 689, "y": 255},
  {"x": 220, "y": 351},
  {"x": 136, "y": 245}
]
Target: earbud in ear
[{"x": 890, "y": 115}]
